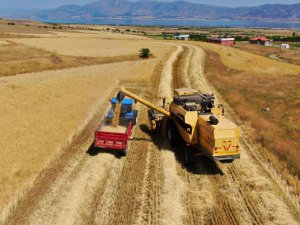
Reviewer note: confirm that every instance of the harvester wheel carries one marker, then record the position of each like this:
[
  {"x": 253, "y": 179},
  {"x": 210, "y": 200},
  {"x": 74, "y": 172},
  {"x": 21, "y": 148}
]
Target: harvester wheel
[
  {"x": 173, "y": 135},
  {"x": 189, "y": 157},
  {"x": 227, "y": 161}
]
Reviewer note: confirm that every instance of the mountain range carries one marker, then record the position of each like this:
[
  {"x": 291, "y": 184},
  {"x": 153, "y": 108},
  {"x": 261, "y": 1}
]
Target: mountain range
[{"x": 163, "y": 10}]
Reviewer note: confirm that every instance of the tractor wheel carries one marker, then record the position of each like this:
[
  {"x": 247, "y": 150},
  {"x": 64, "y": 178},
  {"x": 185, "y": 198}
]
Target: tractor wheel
[
  {"x": 134, "y": 121},
  {"x": 135, "y": 115},
  {"x": 172, "y": 133}
]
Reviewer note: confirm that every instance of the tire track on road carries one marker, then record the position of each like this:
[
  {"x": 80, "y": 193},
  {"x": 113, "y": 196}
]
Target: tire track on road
[
  {"x": 242, "y": 203},
  {"x": 124, "y": 198},
  {"x": 135, "y": 197},
  {"x": 194, "y": 178}
]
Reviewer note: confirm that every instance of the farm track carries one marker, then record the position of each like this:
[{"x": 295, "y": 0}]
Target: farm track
[
  {"x": 232, "y": 201},
  {"x": 179, "y": 67},
  {"x": 130, "y": 199}
]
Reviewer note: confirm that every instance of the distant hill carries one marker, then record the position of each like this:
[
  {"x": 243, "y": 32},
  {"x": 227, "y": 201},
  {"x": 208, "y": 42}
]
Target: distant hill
[{"x": 166, "y": 10}]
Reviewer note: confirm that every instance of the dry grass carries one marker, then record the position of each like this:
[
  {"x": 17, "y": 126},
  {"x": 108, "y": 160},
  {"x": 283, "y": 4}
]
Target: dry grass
[
  {"x": 22, "y": 27},
  {"x": 16, "y": 35},
  {"x": 11, "y": 52},
  {"x": 248, "y": 62},
  {"x": 92, "y": 47},
  {"x": 249, "y": 94}
]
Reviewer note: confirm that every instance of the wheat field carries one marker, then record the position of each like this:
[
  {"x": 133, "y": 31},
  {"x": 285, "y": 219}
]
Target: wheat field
[
  {"x": 41, "y": 111},
  {"x": 109, "y": 35}
]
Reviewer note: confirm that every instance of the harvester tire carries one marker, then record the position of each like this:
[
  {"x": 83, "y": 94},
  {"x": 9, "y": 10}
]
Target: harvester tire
[
  {"x": 172, "y": 134},
  {"x": 189, "y": 157},
  {"x": 228, "y": 161}
]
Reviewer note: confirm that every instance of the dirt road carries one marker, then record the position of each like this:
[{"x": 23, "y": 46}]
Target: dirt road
[
  {"x": 150, "y": 185},
  {"x": 247, "y": 193}
]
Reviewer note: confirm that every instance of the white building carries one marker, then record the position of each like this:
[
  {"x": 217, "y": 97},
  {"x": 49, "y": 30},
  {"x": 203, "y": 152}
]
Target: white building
[
  {"x": 285, "y": 46},
  {"x": 182, "y": 36}
]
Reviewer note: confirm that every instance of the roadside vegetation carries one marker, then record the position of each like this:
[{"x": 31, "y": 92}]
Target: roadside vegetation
[
  {"x": 264, "y": 102},
  {"x": 145, "y": 53}
]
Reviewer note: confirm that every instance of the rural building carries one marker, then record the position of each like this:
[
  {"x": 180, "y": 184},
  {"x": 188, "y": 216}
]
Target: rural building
[
  {"x": 260, "y": 40},
  {"x": 221, "y": 41},
  {"x": 181, "y": 36},
  {"x": 285, "y": 46}
]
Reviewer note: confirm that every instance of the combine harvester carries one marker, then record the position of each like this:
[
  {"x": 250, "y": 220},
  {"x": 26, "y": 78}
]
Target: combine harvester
[
  {"x": 116, "y": 129},
  {"x": 194, "y": 119}
]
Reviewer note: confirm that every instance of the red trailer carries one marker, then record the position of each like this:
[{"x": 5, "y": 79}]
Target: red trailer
[{"x": 113, "y": 138}]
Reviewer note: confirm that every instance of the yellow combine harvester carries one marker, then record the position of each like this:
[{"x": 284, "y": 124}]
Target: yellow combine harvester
[{"x": 194, "y": 118}]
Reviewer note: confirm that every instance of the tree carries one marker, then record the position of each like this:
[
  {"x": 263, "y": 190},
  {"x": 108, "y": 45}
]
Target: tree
[{"x": 145, "y": 53}]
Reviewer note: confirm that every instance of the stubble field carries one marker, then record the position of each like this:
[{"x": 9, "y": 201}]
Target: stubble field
[{"x": 52, "y": 175}]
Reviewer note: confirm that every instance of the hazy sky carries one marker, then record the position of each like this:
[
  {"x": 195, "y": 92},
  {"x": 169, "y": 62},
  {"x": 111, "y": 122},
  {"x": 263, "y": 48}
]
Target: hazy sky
[{"x": 55, "y": 3}]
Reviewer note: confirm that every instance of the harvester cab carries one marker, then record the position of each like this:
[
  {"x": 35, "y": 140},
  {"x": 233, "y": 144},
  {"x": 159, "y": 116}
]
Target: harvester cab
[{"x": 191, "y": 100}]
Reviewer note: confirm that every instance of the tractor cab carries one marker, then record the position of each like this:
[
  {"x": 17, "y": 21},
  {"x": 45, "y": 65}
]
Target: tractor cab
[{"x": 127, "y": 112}]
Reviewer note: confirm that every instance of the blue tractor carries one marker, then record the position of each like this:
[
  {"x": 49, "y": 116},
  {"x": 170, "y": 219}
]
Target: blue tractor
[{"x": 126, "y": 113}]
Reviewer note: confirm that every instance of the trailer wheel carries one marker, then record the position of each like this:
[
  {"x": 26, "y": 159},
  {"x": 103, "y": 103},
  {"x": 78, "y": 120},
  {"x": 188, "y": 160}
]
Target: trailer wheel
[
  {"x": 124, "y": 152},
  {"x": 172, "y": 133}
]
